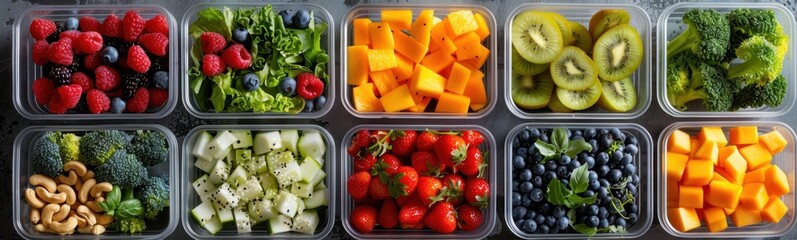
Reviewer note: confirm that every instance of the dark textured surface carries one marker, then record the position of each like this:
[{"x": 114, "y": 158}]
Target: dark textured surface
[{"x": 338, "y": 121}]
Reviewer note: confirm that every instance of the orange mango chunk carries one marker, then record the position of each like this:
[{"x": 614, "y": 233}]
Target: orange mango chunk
[
  {"x": 427, "y": 82},
  {"x": 458, "y": 79},
  {"x": 756, "y": 155},
  {"x": 421, "y": 106},
  {"x": 673, "y": 194},
  {"x": 773, "y": 141},
  {"x": 723, "y": 194},
  {"x": 690, "y": 196},
  {"x": 757, "y": 176},
  {"x": 484, "y": 30},
  {"x": 467, "y": 46},
  {"x": 381, "y": 36},
  {"x": 365, "y": 100},
  {"x": 461, "y": 22},
  {"x": 735, "y": 165},
  {"x": 361, "y": 33},
  {"x": 715, "y": 219},
  {"x": 421, "y": 29},
  {"x": 694, "y": 144},
  {"x": 754, "y": 196},
  {"x": 718, "y": 177},
  {"x": 452, "y": 103},
  {"x": 447, "y": 46},
  {"x": 708, "y": 151},
  {"x": 409, "y": 47},
  {"x": 683, "y": 219},
  {"x": 475, "y": 91},
  {"x": 397, "y": 100},
  {"x": 438, "y": 36},
  {"x": 676, "y": 163},
  {"x": 481, "y": 56},
  {"x": 357, "y": 65},
  {"x": 697, "y": 172},
  {"x": 384, "y": 81},
  {"x": 774, "y": 210},
  {"x": 725, "y": 152},
  {"x": 743, "y": 135},
  {"x": 381, "y": 59},
  {"x": 713, "y": 134},
  {"x": 403, "y": 69},
  {"x": 731, "y": 178},
  {"x": 398, "y": 19},
  {"x": 746, "y": 217},
  {"x": 437, "y": 61},
  {"x": 776, "y": 181},
  {"x": 678, "y": 142}
]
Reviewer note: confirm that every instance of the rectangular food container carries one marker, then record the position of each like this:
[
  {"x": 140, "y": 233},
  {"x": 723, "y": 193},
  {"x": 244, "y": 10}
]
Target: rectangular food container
[
  {"x": 327, "y": 43},
  {"x": 373, "y": 12},
  {"x": 190, "y": 199},
  {"x": 643, "y": 160},
  {"x": 670, "y": 25},
  {"x": 582, "y": 13},
  {"x": 785, "y": 160},
  {"x": 397, "y": 233},
  {"x": 25, "y": 71},
  {"x": 23, "y": 146}
]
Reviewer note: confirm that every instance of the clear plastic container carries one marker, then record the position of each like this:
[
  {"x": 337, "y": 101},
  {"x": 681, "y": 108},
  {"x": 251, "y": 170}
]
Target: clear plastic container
[
  {"x": 25, "y": 71},
  {"x": 189, "y": 198},
  {"x": 347, "y": 204},
  {"x": 786, "y": 160},
  {"x": 157, "y": 229},
  {"x": 581, "y": 13},
  {"x": 670, "y": 25},
  {"x": 373, "y": 12},
  {"x": 327, "y": 43},
  {"x": 643, "y": 161}
]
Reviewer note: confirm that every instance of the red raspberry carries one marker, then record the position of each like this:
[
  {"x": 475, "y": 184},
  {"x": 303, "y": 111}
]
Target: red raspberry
[
  {"x": 40, "y": 52},
  {"x": 112, "y": 26},
  {"x": 106, "y": 78},
  {"x": 212, "y": 65},
  {"x": 43, "y": 90},
  {"x": 309, "y": 86},
  {"x": 70, "y": 95},
  {"x": 41, "y": 28},
  {"x": 157, "y": 24},
  {"x": 98, "y": 102},
  {"x": 89, "y": 42},
  {"x": 237, "y": 57},
  {"x": 212, "y": 42},
  {"x": 92, "y": 61},
  {"x": 56, "y": 106},
  {"x": 132, "y": 26},
  {"x": 139, "y": 102},
  {"x": 89, "y": 24},
  {"x": 157, "y": 97},
  {"x": 137, "y": 59},
  {"x": 60, "y": 52},
  {"x": 155, "y": 43},
  {"x": 83, "y": 80},
  {"x": 71, "y": 34}
]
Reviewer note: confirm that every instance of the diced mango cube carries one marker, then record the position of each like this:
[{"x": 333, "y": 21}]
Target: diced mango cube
[
  {"x": 438, "y": 36},
  {"x": 673, "y": 194},
  {"x": 437, "y": 61},
  {"x": 475, "y": 91},
  {"x": 715, "y": 219},
  {"x": 708, "y": 151},
  {"x": 676, "y": 164},
  {"x": 381, "y": 59},
  {"x": 403, "y": 69},
  {"x": 698, "y": 172},
  {"x": 381, "y": 36},
  {"x": 725, "y": 152},
  {"x": 690, "y": 196},
  {"x": 384, "y": 81},
  {"x": 467, "y": 46},
  {"x": 757, "y": 176},
  {"x": 447, "y": 46},
  {"x": 774, "y": 141},
  {"x": 422, "y": 27},
  {"x": 397, "y": 100},
  {"x": 743, "y": 135},
  {"x": 678, "y": 142},
  {"x": 410, "y": 48},
  {"x": 735, "y": 179},
  {"x": 745, "y": 217},
  {"x": 426, "y": 82},
  {"x": 365, "y": 100},
  {"x": 774, "y": 210},
  {"x": 361, "y": 33},
  {"x": 357, "y": 65},
  {"x": 484, "y": 30},
  {"x": 398, "y": 19},
  {"x": 735, "y": 165},
  {"x": 421, "y": 106},
  {"x": 713, "y": 134},
  {"x": 754, "y": 196},
  {"x": 756, "y": 155},
  {"x": 683, "y": 219},
  {"x": 452, "y": 103},
  {"x": 776, "y": 181},
  {"x": 483, "y": 53},
  {"x": 458, "y": 79},
  {"x": 461, "y": 22},
  {"x": 723, "y": 194}
]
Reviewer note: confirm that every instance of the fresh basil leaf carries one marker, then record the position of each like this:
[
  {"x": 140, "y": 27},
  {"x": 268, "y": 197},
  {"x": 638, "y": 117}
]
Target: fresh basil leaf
[
  {"x": 129, "y": 209},
  {"x": 574, "y": 200},
  {"x": 579, "y": 179},
  {"x": 576, "y": 147},
  {"x": 546, "y": 149},
  {"x": 559, "y": 138},
  {"x": 557, "y": 193},
  {"x": 586, "y": 230},
  {"x": 571, "y": 215}
]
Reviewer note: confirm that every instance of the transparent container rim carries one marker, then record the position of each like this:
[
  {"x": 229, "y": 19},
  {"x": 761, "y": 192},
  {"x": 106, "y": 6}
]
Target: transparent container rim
[
  {"x": 645, "y": 88},
  {"x": 186, "y": 187},
  {"x": 491, "y": 64},
  {"x": 661, "y": 40},
  {"x": 491, "y": 211},
  {"x": 185, "y": 92},
  {"x": 173, "y": 178},
  {"x": 648, "y": 218},
  {"x": 16, "y": 64}
]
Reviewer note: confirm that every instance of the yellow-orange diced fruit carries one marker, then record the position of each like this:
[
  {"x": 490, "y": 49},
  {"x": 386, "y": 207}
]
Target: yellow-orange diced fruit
[
  {"x": 731, "y": 178},
  {"x": 676, "y": 163},
  {"x": 448, "y": 46},
  {"x": 743, "y": 135},
  {"x": 776, "y": 181},
  {"x": 683, "y": 219},
  {"x": 697, "y": 172},
  {"x": 398, "y": 19},
  {"x": 484, "y": 30},
  {"x": 774, "y": 210},
  {"x": 458, "y": 79},
  {"x": 461, "y": 22},
  {"x": 467, "y": 46},
  {"x": 361, "y": 33},
  {"x": 475, "y": 91},
  {"x": 745, "y": 217},
  {"x": 774, "y": 141},
  {"x": 713, "y": 134},
  {"x": 381, "y": 59},
  {"x": 422, "y": 27},
  {"x": 403, "y": 69},
  {"x": 690, "y": 196},
  {"x": 438, "y": 35},
  {"x": 725, "y": 152},
  {"x": 365, "y": 100},
  {"x": 723, "y": 194},
  {"x": 357, "y": 65},
  {"x": 715, "y": 219},
  {"x": 397, "y": 100},
  {"x": 757, "y": 176},
  {"x": 718, "y": 177},
  {"x": 381, "y": 36},
  {"x": 426, "y": 82},
  {"x": 481, "y": 56},
  {"x": 673, "y": 194},
  {"x": 678, "y": 142},
  {"x": 421, "y": 106},
  {"x": 708, "y": 151},
  {"x": 410, "y": 48},
  {"x": 734, "y": 165},
  {"x": 384, "y": 81},
  {"x": 756, "y": 155},
  {"x": 437, "y": 61},
  {"x": 452, "y": 103},
  {"x": 754, "y": 196}
]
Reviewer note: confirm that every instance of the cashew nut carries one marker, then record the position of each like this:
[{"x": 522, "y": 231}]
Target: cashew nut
[
  {"x": 99, "y": 188},
  {"x": 42, "y": 180},
  {"x": 92, "y": 205},
  {"x": 89, "y": 175},
  {"x": 85, "y": 228},
  {"x": 85, "y": 213},
  {"x": 48, "y": 212},
  {"x": 62, "y": 213},
  {"x": 70, "y": 180},
  {"x": 35, "y": 215},
  {"x": 78, "y": 184},
  {"x": 98, "y": 229},
  {"x": 41, "y": 228},
  {"x": 50, "y": 197},
  {"x": 33, "y": 201},
  {"x": 76, "y": 166},
  {"x": 71, "y": 197},
  {"x": 104, "y": 219},
  {"x": 83, "y": 194},
  {"x": 65, "y": 227}
]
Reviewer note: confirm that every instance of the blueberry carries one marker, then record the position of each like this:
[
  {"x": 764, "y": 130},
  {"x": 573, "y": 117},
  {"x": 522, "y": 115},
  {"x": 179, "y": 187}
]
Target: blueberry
[
  {"x": 538, "y": 169},
  {"x": 604, "y": 183},
  {"x": 605, "y": 141},
  {"x": 525, "y": 175},
  {"x": 109, "y": 55},
  {"x": 529, "y": 226},
  {"x": 526, "y": 201},
  {"x": 71, "y": 23},
  {"x": 576, "y": 138},
  {"x": 526, "y": 187},
  {"x": 631, "y": 140},
  {"x": 592, "y": 176},
  {"x": 616, "y": 156},
  {"x": 603, "y": 223},
  {"x": 537, "y": 181},
  {"x": 632, "y": 208},
  {"x": 252, "y": 82},
  {"x": 308, "y": 106},
  {"x": 593, "y": 221},
  {"x": 616, "y": 133},
  {"x": 573, "y": 165},
  {"x": 518, "y": 162},
  {"x": 602, "y": 212},
  {"x": 559, "y": 211},
  {"x": 562, "y": 171},
  {"x": 515, "y": 199},
  {"x": 631, "y": 149},
  {"x": 627, "y": 159},
  {"x": 594, "y": 144},
  {"x": 620, "y": 222},
  {"x": 540, "y": 219},
  {"x": 602, "y": 193},
  {"x": 544, "y": 207},
  {"x": 550, "y": 221},
  {"x": 530, "y": 214},
  {"x": 521, "y": 151},
  {"x": 519, "y": 222},
  {"x": 629, "y": 169},
  {"x": 320, "y": 101},
  {"x": 562, "y": 223},
  {"x": 288, "y": 86},
  {"x": 589, "y": 193},
  {"x": 621, "y": 148},
  {"x": 543, "y": 229},
  {"x": 518, "y": 212},
  {"x": 240, "y": 35},
  {"x": 302, "y": 19},
  {"x": 118, "y": 105},
  {"x": 515, "y": 142},
  {"x": 594, "y": 185},
  {"x": 161, "y": 79},
  {"x": 524, "y": 135},
  {"x": 577, "y": 133},
  {"x": 543, "y": 138},
  {"x": 534, "y": 133},
  {"x": 564, "y": 181},
  {"x": 614, "y": 176},
  {"x": 602, "y": 158},
  {"x": 592, "y": 210},
  {"x": 631, "y": 189},
  {"x": 549, "y": 176},
  {"x": 551, "y": 165},
  {"x": 603, "y": 170},
  {"x": 590, "y": 161},
  {"x": 287, "y": 17},
  {"x": 632, "y": 218},
  {"x": 611, "y": 218},
  {"x": 564, "y": 160},
  {"x": 589, "y": 133},
  {"x": 536, "y": 195}
]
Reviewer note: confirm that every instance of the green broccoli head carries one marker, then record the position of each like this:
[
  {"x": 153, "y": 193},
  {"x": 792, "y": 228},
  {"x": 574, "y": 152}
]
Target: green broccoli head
[
  {"x": 707, "y": 83},
  {"x": 154, "y": 194},
  {"x": 747, "y": 22},
  {"x": 707, "y": 35},
  {"x": 129, "y": 225},
  {"x": 46, "y": 158},
  {"x": 679, "y": 72},
  {"x": 150, "y": 147},
  {"x": 69, "y": 146},
  {"x": 760, "y": 65},
  {"x": 98, "y": 146},
  {"x": 122, "y": 169},
  {"x": 754, "y": 96}
]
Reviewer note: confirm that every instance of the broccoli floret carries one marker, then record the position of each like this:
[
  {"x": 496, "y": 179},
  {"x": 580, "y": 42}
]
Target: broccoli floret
[
  {"x": 69, "y": 146},
  {"x": 122, "y": 169},
  {"x": 130, "y": 225},
  {"x": 679, "y": 72},
  {"x": 149, "y": 147},
  {"x": 154, "y": 194},
  {"x": 46, "y": 158},
  {"x": 753, "y": 96},
  {"x": 707, "y": 35},
  {"x": 97, "y": 147},
  {"x": 747, "y": 22},
  {"x": 708, "y": 84},
  {"x": 760, "y": 64}
]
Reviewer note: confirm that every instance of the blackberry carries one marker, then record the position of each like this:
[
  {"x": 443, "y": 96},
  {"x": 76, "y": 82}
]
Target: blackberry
[
  {"x": 59, "y": 27},
  {"x": 131, "y": 81},
  {"x": 60, "y": 74},
  {"x": 121, "y": 45},
  {"x": 77, "y": 64},
  {"x": 82, "y": 105}
]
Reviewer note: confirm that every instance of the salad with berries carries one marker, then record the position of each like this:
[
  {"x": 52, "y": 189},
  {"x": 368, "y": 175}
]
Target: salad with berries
[{"x": 258, "y": 60}]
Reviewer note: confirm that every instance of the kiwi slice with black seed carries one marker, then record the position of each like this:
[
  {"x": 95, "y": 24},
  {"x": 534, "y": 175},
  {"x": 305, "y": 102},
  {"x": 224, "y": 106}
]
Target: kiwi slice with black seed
[
  {"x": 523, "y": 67},
  {"x": 580, "y": 37},
  {"x": 573, "y": 69},
  {"x": 618, "y": 96},
  {"x": 618, "y": 53},
  {"x": 536, "y": 37},
  {"x": 531, "y": 92},
  {"x": 606, "y": 19},
  {"x": 563, "y": 24},
  {"x": 580, "y": 99},
  {"x": 557, "y": 106}
]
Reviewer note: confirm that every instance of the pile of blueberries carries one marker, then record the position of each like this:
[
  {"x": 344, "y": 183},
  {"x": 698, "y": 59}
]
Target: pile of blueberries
[{"x": 613, "y": 177}]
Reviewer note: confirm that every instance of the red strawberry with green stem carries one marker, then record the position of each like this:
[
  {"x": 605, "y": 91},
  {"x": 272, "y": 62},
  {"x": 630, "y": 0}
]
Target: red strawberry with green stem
[
  {"x": 408, "y": 179},
  {"x": 365, "y": 163},
  {"x": 388, "y": 214},
  {"x": 412, "y": 213},
  {"x": 453, "y": 188},
  {"x": 428, "y": 190},
  {"x": 450, "y": 150},
  {"x": 426, "y": 141},
  {"x": 387, "y": 163},
  {"x": 469, "y": 217},
  {"x": 472, "y": 137},
  {"x": 404, "y": 143},
  {"x": 358, "y": 185},
  {"x": 427, "y": 164},
  {"x": 378, "y": 190},
  {"x": 363, "y": 218},
  {"x": 442, "y": 218},
  {"x": 473, "y": 164},
  {"x": 477, "y": 192}
]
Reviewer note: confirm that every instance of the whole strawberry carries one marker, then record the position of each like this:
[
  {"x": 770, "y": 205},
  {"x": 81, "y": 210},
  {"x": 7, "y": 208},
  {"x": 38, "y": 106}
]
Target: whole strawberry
[
  {"x": 388, "y": 214},
  {"x": 365, "y": 163},
  {"x": 358, "y": 185},
  {"x": 378, "y": 190},
  {"x": 408, "y": 179},
  {"x": 450, "y": 149},
  {"x": 309, "y": 86},
  {"x": 477, "y": 192},
  {"x": 412, "y": 213},
  {"x": 426, "y": 163},
  {"x": 426, "y": 141},
  {"x": 473, "y": 163},
  {"x": 442, "y": 218},
  {"x": 428, "y": 189},
  {"x": 363, "y": 218},
  {"x": 470, "y": 217},
  {"x": 404, "y": 143},
  {"x": 387, "y": 163},
  {"x": 472, "y": 137},
  {"x": 453, "y": 188}
]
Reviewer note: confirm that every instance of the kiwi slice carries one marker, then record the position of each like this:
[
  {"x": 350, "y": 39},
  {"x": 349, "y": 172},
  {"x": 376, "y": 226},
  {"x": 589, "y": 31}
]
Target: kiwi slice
[
  {"x": 581, "y": 99},
  {"x": 580, "y": 37},
  {"x": 573, "y": 69},
  {"x": 563, "y": 24},
  {"x": 531, "y": 92},
  {"x": 606, "y": 19},
  {"x": 536, "y": 37},
  {"x": 523, "y": 67},
  {"x": 618, "y": 53},
  {"x": 557, "y": 106},
  {"x": 618, "y": 96}
]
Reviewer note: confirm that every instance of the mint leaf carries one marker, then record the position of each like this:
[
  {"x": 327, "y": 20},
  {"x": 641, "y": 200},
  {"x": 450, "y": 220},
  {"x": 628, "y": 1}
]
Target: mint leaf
[
  {"x": 579, "y": 179},
  {"x": 586, "y": 230},
  {"x": 576, "y": 147},
  {"x": 546, "y": 149},
  {"x": 557, "y": 193},
  {"x": 559, "y": 138},
  {"x": 574, "y": 200},
  {"x": 571, "y": 215}
]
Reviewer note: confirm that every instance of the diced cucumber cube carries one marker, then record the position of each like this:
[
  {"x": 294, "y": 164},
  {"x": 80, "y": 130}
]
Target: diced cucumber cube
[
  {"x": 289, "y": 139},
  {"x": 257, "y": 165},
  {"x": 243, "y": 138},
  {"x": 238, "y": 176},
  {"x": 200, "y": 146},
  {"x": 203, "y": 213},
  {"x": 242, "y": 156},
  {"x": 319, "y": 186},
  {"x": 309, "y": 169},
  {"x": 269, "y": 184},
  {"x": 214, "y": 226},
  {"x": 279, "y": 224},
  {"x": 203, "y": 187},
  {"x": 284, "y": 167},
  {"x": 220, "y": 172},
  {"x": 226, "y": 196},
  {"x": 306, "y": 222},
  {"x": 205, "y": 165},
  {"x": 319, "y": 178},
  {"x": 266, "y": 142},
  {"x": 221, "y": 144},
  {"x": 250, "y": 189},
  {"x": 302, "y": 189},
  {"x": 299, "y": 206},
  {"x": 223, "y": 213},
  {"x": 311, "y": 144},
  {"x": 242, "y": 221},
  {"x": 229, "y": 159},
  {"x": 261, "y": 210},
  {"x": 286, "y": 203},
  {"x": 317, "y": 199}
]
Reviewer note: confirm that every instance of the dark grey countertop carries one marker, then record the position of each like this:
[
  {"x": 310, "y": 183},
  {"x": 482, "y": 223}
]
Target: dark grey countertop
[{"x": 338, "y": 121}]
